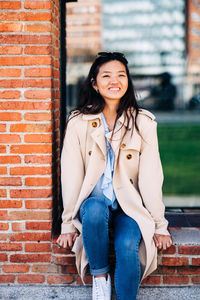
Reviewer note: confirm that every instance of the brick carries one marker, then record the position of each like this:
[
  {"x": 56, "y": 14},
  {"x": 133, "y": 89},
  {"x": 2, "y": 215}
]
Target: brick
[
  {"x": 87, "y": 280},
  {"x": 11, "y": 27},
  {"x": 68, "y": 270},
  {"x": 38, "y": 225},
  {"x": 38, "y": 116},
  {"x": 37, "y": 5},
  {"x": 38, "y": 138},
  {"x": 10, "y": 116},
  {"x": 26, "y": 39},
  {"x": 38, "y": 181},
  {"x": 4, "y": 226},
  {"x": 31, "y": 148},
  {"x": 38, "y": 72},
  {"x": 44, "y": 268},
  {"x": 9, "y": 138},
  {"x": 38, "y": 204},
  {"x": 27, "y": 16},
  {"x": 10, "y": 4},
  {"x": 10, "y": 95},
  {"x": 37, "y": 27},
  {"x": 189, "y": 250},
  {"x": 10, "y": 72},
  {"x": 61, "y": 260},
  {"x": 38, "y": 50},
  {"x": 174, "y": 261},
  {"x": 25, "y": 83},
  {"x": 10, "y": 159},
  {"x": 24, "y": 105},
  {"x": 37, "y": 94},
  {"x": 31, "y": 236},
  {"x": 29, "y": 258},
  {"x": 31, "y": 128},
  {"x": 38, "y": 159},
  {"x": 11, "y": 50},
  {"x": 3, "y": 193},
  {"x": 188, "y": 270},
  {"x": 7, "y": 278},
  {"x": 196, "y": 261},
  {"x": 18, "y": 226},
  {"x": 16, "y": 268},
  {"x": 10, "y": 203},
  {"x": 33, "y": 247},
  {"x": 29, "y": 215},
  {"x": 31, "y": 193},
  {"x": 175, "y": 279},
  {"x": 59, "y": 279},
  {"x": 196, "y": 279},
  {"x": 2, "y": 127},
  {"x": 57, "y": 250},
  {"x": 3, "y": 257},
  {"x": 2, "y": 150},
  {"x": 10, "y": 181},
  {"x": 24, "y": 60},
  {"x": 152, "y": 280},
  {"x": 30, "y": 171},
  {"x": 3, "y": 216},
  {"x": 30, "y": 278},
  {"x": 10, "y": 247}
]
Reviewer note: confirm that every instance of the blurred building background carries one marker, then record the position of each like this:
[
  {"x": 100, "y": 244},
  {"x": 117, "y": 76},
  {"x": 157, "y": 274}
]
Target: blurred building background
[{"x": 156, "y": 36}]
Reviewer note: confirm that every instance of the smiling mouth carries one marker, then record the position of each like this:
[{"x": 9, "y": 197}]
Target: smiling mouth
[{"x": 114, "y": 89}]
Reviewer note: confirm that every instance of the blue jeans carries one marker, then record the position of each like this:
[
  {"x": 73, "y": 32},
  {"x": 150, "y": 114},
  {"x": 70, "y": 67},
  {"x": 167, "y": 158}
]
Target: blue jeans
[{"x": 97, "y": 218}]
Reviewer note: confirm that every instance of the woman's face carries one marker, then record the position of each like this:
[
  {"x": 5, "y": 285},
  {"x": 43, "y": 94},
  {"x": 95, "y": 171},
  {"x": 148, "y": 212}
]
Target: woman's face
[{"x": 112, "y": 81}]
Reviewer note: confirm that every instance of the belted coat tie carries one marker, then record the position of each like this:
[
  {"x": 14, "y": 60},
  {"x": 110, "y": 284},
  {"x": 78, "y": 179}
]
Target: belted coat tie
[{"x": 137, "y": 179}]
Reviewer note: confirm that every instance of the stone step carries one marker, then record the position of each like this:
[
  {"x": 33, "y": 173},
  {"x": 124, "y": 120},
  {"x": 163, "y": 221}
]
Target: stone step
[{"x": 29, "y": 292}]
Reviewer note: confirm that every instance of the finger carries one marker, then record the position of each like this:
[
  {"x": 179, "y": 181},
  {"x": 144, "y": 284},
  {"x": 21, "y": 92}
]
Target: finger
[
  {"x": 70, "y": 242},
  {"x": 155, "y": 240},
  {"x": 75, "y": 236}
]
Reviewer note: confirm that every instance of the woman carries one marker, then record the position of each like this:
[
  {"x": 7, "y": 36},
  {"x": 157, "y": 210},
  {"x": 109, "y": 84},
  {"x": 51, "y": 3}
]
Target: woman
[{"x": 112, "y": 182}]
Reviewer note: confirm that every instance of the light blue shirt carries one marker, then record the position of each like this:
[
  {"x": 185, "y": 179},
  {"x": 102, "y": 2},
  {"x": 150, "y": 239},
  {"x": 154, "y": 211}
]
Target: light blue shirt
[{"x": 104, "y": 187}]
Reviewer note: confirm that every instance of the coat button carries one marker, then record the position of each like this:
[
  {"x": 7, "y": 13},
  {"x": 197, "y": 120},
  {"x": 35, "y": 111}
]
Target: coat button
[
  {"x": 123, "y": 145},
  {"x": 94, "y": 124},
  {"x": 90, "y": 152},
  {"x": 131, "y": 181},
  {"x": 129, "y": 156}
]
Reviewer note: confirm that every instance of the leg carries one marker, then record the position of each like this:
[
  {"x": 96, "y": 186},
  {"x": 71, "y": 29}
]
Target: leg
[
  {"x": 127, "y": 236},
  {"x": 94, "y": 215}
]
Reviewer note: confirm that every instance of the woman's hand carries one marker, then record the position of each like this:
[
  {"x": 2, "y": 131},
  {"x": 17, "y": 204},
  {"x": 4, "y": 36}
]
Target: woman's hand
[
  {"x": 67, "y": 240},
  {"x": 162, "y": 241}
]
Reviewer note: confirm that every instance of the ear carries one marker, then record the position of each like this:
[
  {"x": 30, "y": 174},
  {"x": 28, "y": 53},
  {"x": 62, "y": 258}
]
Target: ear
[{"x": 94, "y": 85}]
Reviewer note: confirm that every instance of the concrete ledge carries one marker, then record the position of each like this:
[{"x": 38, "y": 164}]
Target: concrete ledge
[{"x": 30, "y": 292}]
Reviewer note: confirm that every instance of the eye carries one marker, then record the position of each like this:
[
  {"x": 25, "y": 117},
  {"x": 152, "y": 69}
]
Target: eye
[
  {"x": 105, "y": 76},
  {"x": 122, "y": 75}
]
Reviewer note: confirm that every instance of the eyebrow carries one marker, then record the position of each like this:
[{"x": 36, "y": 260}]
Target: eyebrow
[{"x": 111, "y": 72}]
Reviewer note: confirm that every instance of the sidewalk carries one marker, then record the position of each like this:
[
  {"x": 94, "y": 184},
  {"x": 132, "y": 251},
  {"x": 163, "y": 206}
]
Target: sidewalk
[{"x": 177, "y": 117}]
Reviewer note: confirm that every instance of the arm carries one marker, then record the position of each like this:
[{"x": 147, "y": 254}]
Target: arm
[
  {"x": 72, "y": 174},
  {"x": 151, "y": 176}
]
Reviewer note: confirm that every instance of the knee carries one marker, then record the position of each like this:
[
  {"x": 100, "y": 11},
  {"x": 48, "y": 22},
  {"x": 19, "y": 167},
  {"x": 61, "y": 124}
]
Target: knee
[{"x": 95, "y": 210}]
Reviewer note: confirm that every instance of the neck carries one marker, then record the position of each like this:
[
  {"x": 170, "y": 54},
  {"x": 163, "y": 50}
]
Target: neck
[{"x": 110, "y": 109}]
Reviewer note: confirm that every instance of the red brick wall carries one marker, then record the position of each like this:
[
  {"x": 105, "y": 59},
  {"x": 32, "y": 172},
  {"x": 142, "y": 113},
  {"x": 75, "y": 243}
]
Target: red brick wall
[
  {"x": 29, "y": 136},
  {"x": 29, "y": 156}
]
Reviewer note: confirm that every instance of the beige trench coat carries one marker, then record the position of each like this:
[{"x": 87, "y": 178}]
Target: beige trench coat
[{"x": 137, "y": 179}]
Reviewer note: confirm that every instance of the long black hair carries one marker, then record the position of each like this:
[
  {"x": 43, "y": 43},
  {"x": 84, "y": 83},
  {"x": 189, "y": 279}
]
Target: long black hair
[{"x": 91, "y": 102}]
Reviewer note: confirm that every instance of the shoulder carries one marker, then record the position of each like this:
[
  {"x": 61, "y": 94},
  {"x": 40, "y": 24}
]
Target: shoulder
[
  {"x": 146, "y": 113},
  {"x": 146, "y": 122}
]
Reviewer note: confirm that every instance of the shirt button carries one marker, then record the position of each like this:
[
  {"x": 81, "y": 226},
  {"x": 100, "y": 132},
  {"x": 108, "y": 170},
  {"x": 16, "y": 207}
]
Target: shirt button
[
  {"x": 123, "y": 145},
  {"x": 94, "y": 124},
  {"x": 129, "y": 156},
  {"x": 90, "y": 152}
]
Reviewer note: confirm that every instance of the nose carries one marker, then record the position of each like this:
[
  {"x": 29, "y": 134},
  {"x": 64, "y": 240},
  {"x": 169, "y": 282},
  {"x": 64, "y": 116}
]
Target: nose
[{"x": 113, "y": 79}]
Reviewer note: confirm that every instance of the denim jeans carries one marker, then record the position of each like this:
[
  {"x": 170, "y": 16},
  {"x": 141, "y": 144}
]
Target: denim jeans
[{"x": 97, "y": 219}]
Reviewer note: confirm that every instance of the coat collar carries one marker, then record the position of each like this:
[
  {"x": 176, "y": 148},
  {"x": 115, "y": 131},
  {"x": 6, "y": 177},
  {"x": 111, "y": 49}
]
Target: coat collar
[{"x": 122, "y": 119}]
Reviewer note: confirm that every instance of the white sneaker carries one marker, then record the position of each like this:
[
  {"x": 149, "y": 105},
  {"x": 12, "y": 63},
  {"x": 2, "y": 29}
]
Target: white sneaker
[{"x": 101, "y": 288}]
